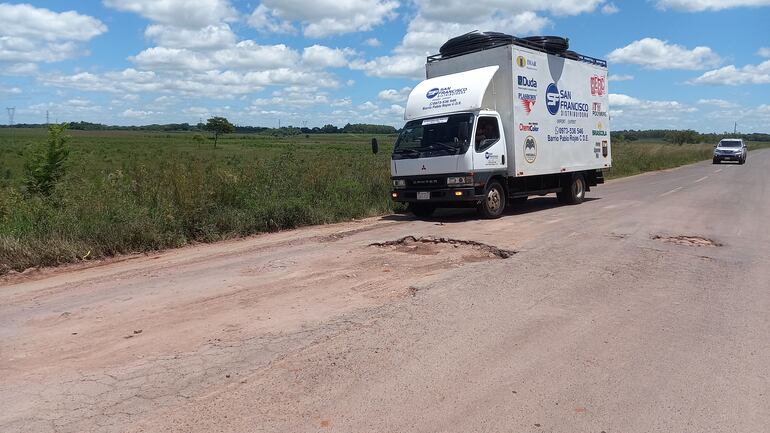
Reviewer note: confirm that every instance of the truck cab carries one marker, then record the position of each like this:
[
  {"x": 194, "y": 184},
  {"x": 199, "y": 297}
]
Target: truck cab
[{"x": 446, "y": 160}]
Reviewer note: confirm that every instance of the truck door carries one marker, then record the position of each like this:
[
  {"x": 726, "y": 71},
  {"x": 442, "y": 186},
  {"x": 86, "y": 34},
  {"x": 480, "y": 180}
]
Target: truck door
[{"x": 489, "y": 151}]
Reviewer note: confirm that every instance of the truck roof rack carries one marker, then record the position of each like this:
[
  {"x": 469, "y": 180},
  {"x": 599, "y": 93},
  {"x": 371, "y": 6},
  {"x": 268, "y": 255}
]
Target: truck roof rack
[{"x": 513, "y": 40}]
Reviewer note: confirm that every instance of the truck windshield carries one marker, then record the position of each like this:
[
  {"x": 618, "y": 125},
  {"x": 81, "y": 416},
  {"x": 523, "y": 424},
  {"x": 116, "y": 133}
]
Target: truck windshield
[
  {"x": 438, "y": 136},
  {"x": 730, "y": 143}
]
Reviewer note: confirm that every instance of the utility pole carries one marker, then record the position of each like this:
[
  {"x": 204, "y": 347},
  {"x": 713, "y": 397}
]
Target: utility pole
[
  {"x": 47, "y": 118},
  {"x": 735, "y": 128}
]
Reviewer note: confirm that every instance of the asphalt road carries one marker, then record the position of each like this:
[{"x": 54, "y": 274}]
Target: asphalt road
[{"x": 644, "y": 309}]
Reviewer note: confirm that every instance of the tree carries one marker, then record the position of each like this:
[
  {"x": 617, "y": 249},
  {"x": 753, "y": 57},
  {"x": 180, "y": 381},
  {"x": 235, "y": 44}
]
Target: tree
[
  {"x": 329, "y": 129},
  {"x": 219, "y": 126},
  {"x": 46, "y": 165},
  {"x": 682, "y": 136}
]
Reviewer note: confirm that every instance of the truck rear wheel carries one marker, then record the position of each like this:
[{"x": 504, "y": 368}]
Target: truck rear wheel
[
  {"x": 574, "y": 192},
  {"x": 493, "y": 204},
  {"x": 421, "y": 210}
]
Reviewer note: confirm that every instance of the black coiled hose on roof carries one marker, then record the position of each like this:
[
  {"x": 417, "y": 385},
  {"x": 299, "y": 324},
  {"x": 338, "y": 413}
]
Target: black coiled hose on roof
[
  {"x": 477, "y": 41},
  {"x": 551, "y": 44},
  {"x": 474, "y": 41}
]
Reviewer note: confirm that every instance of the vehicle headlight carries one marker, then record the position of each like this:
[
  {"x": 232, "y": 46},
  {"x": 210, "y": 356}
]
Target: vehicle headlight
[
  {"x": 459, "y": 180},
  {"x": 399, "y": 183}
]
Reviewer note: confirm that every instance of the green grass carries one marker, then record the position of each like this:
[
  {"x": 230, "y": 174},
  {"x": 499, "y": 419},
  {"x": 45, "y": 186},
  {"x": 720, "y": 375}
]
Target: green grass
[{"x": 131, "y": 191}]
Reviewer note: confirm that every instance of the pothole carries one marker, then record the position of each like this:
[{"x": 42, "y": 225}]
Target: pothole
[
  {"x": 688, "y": 241},
  {"x": 427, "y": 245}
]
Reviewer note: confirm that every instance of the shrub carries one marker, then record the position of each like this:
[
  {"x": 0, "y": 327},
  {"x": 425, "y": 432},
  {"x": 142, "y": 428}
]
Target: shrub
[{"x": 45, "y": 166}]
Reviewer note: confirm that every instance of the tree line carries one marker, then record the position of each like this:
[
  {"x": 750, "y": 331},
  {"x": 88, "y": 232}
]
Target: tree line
[
  {"x": 349, "y": 128},
  {"x": 682, "y": 136}
]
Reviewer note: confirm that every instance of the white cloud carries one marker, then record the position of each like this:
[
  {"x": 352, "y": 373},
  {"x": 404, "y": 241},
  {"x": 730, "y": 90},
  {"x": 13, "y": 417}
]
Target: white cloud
[
  {"x": 38, "y": 24},
  {"x": 732, "y": 76},
  {"x": 79, "y": 102},
  {"x": 620, "y": 100},
  {"x": 5, "y": 90},
  {"x": 610, "y": 8},
  {"x": 630, "y": 112},
  {"x": 459, "y": 11},
  {"x": 406, "y": 66},
  {"x": 264, "y": 20},
  {"x": 20, "y": 50},
  {"x": 342, "y": 102},
  {"x": 372, "y": 42},
  {"x": 250, "y": 55},
  {"x": 618, "y": 77},
  {"x": 31, "y": 35},
  {"x": 179, "y": 13},
  {"x": 197, "y": 111},
  {"x": 721, "y": 103},
  {"x": 321, "y": 18},
  {"x": 295, "y": 98},
  {"x": 208, "y": 37},
  {"x": 212, "y": 84},
  {"x": 325, "y": 57},
  {"x": 160, "y": 58},
  {"x": 19, "y": 69},
  {"x": 654, "y": 53},
  {"x": 437, "y": 21},
  {"x": 709, "y": 5},
  {"x": 763, "y": 52},
  {"x": 137, "y": 114},
  {"x": 394, "y": 95},
  {"x": 425, "y": 35},
  {"x": 243, "y": 55}
]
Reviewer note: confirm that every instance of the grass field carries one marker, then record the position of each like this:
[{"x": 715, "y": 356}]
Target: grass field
[{"x": 135, "y": 191}]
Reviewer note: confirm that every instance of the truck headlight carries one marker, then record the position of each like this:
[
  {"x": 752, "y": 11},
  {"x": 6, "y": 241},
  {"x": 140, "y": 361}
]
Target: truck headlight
[
  {"x": 399, "y": 183},
  {"x": 459, "y": 180}
]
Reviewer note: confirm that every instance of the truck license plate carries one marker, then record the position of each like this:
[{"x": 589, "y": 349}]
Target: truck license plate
[{"x": 423, "y": 195}]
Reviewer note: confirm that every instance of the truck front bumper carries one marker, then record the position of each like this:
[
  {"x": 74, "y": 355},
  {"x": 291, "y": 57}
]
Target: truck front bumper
[{"x": 444, "y": 195}]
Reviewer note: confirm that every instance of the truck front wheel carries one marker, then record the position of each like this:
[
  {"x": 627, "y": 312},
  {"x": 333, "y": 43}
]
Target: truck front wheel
[
  {"x": 493, "y": 204},
  {"x": 574, "y": 192}
]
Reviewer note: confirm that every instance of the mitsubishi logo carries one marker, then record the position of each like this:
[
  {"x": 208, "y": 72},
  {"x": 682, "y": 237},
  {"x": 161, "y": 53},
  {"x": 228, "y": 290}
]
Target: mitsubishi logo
[{"x": 423, "y": 167}]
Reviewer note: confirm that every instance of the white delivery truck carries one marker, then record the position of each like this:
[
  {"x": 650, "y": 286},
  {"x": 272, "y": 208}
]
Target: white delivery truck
[{"x": 492, "y": 125}]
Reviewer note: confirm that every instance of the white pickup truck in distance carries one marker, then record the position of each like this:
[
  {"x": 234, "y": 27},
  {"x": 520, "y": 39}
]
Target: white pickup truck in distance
[{"x": 494, "y": 125}]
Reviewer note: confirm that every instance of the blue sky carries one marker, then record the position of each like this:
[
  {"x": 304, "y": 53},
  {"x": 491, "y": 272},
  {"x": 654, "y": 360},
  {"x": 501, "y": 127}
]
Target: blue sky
[{"x": 700, "y": 64}]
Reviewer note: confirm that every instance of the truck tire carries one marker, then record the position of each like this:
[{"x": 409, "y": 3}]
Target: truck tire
[
  {"x": 493, "y": 203},
  {"x": 421, "y": 210},
  {"x": 574, "y": 192}
]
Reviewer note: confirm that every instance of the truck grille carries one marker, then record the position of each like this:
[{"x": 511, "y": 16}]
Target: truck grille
[{"x": 426, "y": 182}]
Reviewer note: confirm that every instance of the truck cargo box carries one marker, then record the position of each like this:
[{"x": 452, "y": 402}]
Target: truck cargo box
[{"x": 555, "y": 108}]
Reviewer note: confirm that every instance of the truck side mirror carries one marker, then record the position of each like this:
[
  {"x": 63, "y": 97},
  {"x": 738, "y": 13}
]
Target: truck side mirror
[{"x": 375, "y": 146}]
